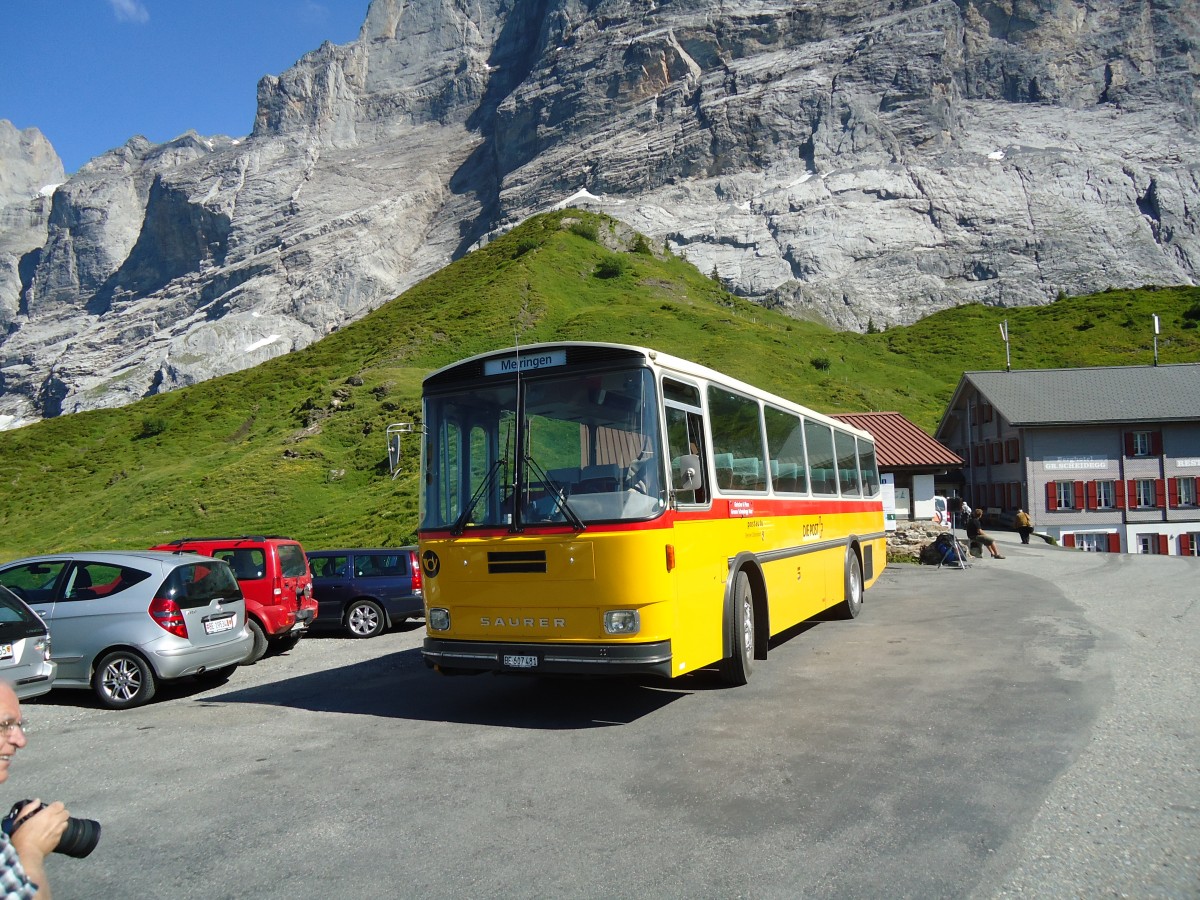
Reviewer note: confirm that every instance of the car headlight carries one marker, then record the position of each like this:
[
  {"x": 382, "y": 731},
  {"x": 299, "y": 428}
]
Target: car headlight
[
  {"x": 622, "y": 621},
  {"x": 438, "y": 619}
]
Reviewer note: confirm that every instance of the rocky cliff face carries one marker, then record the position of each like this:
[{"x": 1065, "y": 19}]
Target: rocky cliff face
[{"x": 851, "y": 159}]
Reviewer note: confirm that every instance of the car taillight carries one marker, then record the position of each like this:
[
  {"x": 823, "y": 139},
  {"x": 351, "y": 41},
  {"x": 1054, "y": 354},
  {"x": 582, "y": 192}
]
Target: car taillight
[
  {"x": 415, "y": 567},
  {"x": 168, "y": 615}
]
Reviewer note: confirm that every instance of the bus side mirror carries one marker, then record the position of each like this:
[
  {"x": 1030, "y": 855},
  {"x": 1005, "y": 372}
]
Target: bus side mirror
[{"x": 687, "y": 473}]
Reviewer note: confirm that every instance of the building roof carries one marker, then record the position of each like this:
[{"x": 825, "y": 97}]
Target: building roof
[
  {"x": 900, "y": 443},
  {"x": 1124, "y": 394}
]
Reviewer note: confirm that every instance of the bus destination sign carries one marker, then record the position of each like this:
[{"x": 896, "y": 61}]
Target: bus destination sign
[{"x": 508, "y": 365}]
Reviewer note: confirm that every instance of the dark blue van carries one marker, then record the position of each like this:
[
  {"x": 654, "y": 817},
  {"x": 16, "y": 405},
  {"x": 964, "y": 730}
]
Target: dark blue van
[{"x": 366, "y": 591}]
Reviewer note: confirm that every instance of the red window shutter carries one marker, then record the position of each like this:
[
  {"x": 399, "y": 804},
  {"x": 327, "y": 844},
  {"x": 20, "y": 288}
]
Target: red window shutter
[
  {"x": 1160, "y": 493},
  {"x": 1173, "y": 491},
  {"x": 1185, "y": 545},
  {"x": 1051, "y": 496},
  {"x": 1119, "y": 494},
  {"x": 1156, "y": 443},
  {"x": 1132, "y": 486},
  {"x": 1068, "y": 540},
  {"x": 1079, "y": 497},
  {"x": 1016, "y": 494},
  {"x": 1129, "y": 443},
  {"x": 1163, "y": 547},
  {"x": 979, "y": 459},
  {"x": 1093, "y": 498},
  {"x": 1114, "y": 543}
]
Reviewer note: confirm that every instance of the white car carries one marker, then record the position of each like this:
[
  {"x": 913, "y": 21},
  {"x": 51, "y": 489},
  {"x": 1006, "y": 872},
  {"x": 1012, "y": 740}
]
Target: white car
[{"x": 121, "y": 622}]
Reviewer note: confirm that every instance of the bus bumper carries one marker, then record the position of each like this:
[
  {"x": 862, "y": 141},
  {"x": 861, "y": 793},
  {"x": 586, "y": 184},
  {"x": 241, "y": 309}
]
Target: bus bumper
[{"x": 462, "y": 657}]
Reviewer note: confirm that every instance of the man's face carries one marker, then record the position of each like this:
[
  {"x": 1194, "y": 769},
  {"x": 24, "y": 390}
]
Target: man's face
[{"x": 11, "y": 739}]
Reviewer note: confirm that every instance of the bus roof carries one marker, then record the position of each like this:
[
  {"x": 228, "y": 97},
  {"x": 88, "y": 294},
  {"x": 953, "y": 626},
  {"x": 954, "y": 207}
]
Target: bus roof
[{"x": 663, "y": 361}]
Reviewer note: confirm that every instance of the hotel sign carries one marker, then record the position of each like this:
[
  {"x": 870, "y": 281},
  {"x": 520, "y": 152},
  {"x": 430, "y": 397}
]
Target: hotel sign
[{"x": 1067, "y": 463}]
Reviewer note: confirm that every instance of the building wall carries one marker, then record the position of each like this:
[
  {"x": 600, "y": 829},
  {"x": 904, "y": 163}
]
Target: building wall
[{"x": 1009, "y": 468}]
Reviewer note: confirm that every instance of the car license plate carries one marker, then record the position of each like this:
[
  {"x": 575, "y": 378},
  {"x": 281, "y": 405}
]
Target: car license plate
[
  {"x": 216, "y": 626},
  {"x": 6, "y": 651},
  {"x": 520, "y": 662}
]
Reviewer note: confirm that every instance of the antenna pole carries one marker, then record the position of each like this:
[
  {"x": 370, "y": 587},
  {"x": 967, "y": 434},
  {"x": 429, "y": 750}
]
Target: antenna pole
[
  {"x": 1156, "y": 339},
  {"x": 1007, "y": 355}
]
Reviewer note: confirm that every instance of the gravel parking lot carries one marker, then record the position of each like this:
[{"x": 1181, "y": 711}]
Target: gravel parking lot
[{"x": 1023, "y": 728}]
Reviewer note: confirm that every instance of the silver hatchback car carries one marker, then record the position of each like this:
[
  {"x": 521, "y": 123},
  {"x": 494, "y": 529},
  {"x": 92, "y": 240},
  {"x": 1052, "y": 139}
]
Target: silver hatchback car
[
  {"x": 24, "y": 648},
  {"x": 122, "y": 622}
]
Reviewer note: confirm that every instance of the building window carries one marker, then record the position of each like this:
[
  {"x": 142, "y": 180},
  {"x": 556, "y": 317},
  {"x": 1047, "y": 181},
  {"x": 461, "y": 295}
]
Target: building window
[
  {"x": 1092, "y": 541},
  {"x": 1106, "y": 495},
  {"x": 1187, "y": 491},
  {"x": 1064, "y": 493},
  {"x": 1144, "y": 493},
  {"x": 1141, "y": 443},
  {"x": 1189, "y": 544}
]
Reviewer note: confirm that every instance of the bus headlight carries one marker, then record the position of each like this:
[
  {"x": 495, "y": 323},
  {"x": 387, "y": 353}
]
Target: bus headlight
[
  {"x": 622, "y": 621},
  {"x": 439, "y": 619}
]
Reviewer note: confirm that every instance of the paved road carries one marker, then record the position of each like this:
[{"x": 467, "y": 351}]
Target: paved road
[{"x": 1024, "y": 728}]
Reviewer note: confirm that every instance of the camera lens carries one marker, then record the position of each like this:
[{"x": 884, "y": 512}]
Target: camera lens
[{"x": 80, "y": 837}]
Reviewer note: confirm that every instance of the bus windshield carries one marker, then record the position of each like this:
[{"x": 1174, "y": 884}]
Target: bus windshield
[{"x": 569, "y": 449}]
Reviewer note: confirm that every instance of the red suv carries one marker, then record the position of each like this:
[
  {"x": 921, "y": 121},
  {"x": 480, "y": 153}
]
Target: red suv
[{"x": 275, "y": 580}]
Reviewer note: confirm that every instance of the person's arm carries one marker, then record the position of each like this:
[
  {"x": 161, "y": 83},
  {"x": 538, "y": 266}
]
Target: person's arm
[{"x": 35, "y": 838}]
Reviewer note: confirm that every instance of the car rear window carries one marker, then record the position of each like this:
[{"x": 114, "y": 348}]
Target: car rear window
[
  {"x": 198, "y": 584},
  {"x": 16, "y": 621},
  {"x": 291, "y": 560}
]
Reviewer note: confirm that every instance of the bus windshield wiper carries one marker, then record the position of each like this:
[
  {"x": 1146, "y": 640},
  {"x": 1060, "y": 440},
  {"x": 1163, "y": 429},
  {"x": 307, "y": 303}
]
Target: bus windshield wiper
[
  {"x": 488, "y": 481},
  {"x": 560, "y": 498}
]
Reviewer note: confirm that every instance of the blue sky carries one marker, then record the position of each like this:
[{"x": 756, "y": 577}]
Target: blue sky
[{"x": 90, "y": 74}]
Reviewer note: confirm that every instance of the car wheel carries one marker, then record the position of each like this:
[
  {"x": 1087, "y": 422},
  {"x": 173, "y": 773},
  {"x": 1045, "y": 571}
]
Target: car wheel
[
  {"x": 215, "y": 676},
  {"x": 365, "y": 619},
  {"x": 123, "y": 680},
  {"x": 259, "y": 648},
  {"x": 736, "y": 670}
]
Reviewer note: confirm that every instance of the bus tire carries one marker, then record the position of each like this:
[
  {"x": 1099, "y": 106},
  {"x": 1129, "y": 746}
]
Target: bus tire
[
  {"x": 852, "y": 601},
  {"x": 738, "y": 667}
]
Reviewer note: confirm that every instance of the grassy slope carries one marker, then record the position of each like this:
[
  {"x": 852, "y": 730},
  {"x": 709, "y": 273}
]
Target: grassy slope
[{"x": 296, "y": 446}]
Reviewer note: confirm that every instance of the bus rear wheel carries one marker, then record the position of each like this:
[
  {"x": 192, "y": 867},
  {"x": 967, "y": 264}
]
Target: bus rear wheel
[
  {"x": 851, "y": 605},
  {"x": 737, "y": 668}
]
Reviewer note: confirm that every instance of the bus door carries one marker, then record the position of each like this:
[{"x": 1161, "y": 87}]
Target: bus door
[{"x": 700, "y": 560}]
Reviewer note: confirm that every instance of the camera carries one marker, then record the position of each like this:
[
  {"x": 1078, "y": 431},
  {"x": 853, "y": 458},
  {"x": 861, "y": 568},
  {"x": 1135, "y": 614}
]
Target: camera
[{"x": 79, "y": 839}]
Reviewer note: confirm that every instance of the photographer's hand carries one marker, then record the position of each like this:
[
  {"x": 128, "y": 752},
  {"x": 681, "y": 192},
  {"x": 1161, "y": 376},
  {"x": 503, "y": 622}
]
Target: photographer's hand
[{"x": 38, "y": 836}]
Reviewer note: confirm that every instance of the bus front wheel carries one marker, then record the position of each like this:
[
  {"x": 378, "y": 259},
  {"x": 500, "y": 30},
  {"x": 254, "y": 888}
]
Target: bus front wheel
[
  {"x": 851, "y": 605},
  {"x": 737, "y": 668}
]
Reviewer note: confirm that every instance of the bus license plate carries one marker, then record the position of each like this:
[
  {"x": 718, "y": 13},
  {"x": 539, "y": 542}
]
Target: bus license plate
[
  {"x": 520, "y": 662},
  {"x": 216, "y": 626}
]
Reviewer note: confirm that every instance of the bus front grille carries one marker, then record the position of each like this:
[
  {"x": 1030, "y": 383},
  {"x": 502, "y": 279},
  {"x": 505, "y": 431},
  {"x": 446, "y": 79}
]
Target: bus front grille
[{"x": 513, "y": 561}]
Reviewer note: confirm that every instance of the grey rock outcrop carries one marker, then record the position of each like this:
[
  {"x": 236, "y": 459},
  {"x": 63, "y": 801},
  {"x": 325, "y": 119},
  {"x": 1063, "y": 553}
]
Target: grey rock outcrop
[{"x": 854, "y": 160}]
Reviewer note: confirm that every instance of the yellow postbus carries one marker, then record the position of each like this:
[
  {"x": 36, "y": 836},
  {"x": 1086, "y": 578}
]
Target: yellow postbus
[{"x": 599, "y": 509}]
